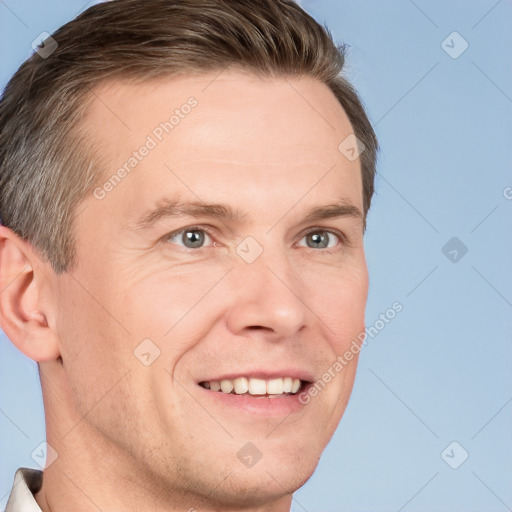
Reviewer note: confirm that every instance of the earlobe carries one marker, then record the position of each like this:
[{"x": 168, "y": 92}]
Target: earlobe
[{"x": 22, "y": 316}]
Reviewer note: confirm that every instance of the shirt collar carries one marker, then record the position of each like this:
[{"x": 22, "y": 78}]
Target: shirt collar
[{"x": 27, "y": 483}]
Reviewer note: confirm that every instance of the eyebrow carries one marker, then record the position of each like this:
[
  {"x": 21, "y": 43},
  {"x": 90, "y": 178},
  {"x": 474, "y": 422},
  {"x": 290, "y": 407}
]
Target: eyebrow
[{"x": 168, "y": 208}]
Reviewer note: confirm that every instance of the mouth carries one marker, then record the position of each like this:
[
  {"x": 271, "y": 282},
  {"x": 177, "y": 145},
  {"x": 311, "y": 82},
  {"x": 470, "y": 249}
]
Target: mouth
[
  {"x": 258, "y": 394},
  {"x": 256, "y": 387}
]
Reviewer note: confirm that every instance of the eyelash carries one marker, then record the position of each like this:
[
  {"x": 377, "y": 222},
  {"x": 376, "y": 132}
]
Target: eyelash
[{"x": 342, "y": 237}]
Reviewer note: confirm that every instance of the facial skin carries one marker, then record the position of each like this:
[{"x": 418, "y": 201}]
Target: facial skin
[{"x": 134, "y": 437}]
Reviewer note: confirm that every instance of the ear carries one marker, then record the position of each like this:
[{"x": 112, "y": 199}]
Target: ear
[{"x": 25, "y": 316}]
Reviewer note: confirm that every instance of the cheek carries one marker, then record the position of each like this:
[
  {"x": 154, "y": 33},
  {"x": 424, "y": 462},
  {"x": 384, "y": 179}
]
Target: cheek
[
  {"x": 162, "y": 300},
  {"x": 338, "y": 298},
  {"x": 96, "y": 346},
  {"x": 174, "y": 308}
]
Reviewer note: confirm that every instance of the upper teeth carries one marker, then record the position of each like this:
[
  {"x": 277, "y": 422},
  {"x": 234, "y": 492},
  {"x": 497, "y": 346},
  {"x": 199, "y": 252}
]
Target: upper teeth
[{"x": 253, "y": 386}]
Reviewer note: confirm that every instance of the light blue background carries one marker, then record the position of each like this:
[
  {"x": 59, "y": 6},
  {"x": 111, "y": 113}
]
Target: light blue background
[{"x": 441, "y": 371}]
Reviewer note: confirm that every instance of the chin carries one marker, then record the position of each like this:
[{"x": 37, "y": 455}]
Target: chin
[
  {"x": 275, "y": 478},
  {"x": 256, "y": 488}
]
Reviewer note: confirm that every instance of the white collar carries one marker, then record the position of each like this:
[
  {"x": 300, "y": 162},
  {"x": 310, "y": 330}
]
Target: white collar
[{"x": 27, "y": 482}]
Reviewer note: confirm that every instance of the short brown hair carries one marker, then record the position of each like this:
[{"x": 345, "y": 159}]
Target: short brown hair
[{"x": 47, "y": 166}]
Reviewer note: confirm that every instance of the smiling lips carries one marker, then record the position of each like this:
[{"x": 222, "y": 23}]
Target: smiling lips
[{"x": 253, "y": 386}]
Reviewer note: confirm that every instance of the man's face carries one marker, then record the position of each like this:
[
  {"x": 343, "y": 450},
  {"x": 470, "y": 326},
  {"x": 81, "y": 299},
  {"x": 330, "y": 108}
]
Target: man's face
[{"x": 264, "y": 294}]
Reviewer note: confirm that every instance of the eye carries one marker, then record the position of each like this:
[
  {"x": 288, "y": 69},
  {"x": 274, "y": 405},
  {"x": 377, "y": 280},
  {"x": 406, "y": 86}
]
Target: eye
[
  {"x": 195, "y": 237},
  {"x": 191, "y": 238},
  {"x": 323, "y": 239}
]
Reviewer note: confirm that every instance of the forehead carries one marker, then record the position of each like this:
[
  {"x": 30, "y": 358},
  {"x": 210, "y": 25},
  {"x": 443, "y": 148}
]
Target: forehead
[{"x": 209, "y": 135}]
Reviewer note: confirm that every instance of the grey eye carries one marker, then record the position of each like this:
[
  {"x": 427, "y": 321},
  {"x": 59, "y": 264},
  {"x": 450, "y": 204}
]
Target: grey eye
[
  {"x": 320, "y": 239},
  {"x": 189, "y": 238},
  {"x": 193, "y": 238}
]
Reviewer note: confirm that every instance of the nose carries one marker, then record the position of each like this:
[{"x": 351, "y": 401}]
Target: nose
[{"x": 268, "y": 297}]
